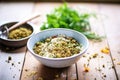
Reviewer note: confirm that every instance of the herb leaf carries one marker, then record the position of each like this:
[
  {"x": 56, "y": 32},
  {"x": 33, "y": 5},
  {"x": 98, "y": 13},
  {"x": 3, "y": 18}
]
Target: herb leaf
[{"x": 65, "y": 17}]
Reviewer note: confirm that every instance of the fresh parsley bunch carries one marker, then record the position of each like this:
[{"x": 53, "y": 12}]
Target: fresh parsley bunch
[{"x": 65, "y": 17}]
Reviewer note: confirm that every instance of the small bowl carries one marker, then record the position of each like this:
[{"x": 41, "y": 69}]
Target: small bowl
[
  {"x": 18, "y": 42},
  {"x": 58, "y": 62}
]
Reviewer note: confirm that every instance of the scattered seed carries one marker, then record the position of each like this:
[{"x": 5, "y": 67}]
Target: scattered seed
[
  {"x": 18, "y": 62},
  {"x": 103, "y": 66},
  {"x": 87, "y": 64},
  {"x": 84, "y": 55},
  {"x": 26, "y": 70},
  {"x": 113, "y": 59},
  {"x": 12, "y": 64},
  {"x": 7, "y": 61},
  {"x": 33, "y": 73},
  {"x": 118, "y": 63},
  {"x": 105, "y": 50},
  {"x": 112, "y": 66},
  {"x": 90, "y": 58},
  {"x": 9, "y": 58},
  {"x": 102, "y": 56},
  {"x": 95, "y": 55},
  {"x": 98, "y": 69},
  {"x": 104, "y": 75},
  {"x": 13, "y": 76},
  {"x": 86, "y": 68}
]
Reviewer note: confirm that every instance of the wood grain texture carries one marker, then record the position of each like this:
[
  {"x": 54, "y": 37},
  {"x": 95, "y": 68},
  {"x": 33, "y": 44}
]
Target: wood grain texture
[
  {"x": 34, "y": 70},
  {"x": 101, "y": 66},
  {"x": 14, "y": 11},
  {"x": 76, "y": 71},
  {"x": 95, "y": 65},
  {"x": 98, "y": 1},
  {"x": 11, "y": 69},
  {"x": 35, "y": 66},
  {"x": 112, "y": 27}
]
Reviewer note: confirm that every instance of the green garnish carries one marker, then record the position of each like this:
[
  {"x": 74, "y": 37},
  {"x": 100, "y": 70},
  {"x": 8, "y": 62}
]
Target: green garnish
[{"x": 65, "y": 17}]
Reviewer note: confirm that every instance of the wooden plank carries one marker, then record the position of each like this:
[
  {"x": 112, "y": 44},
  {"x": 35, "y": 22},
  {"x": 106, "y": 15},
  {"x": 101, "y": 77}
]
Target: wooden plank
[
  {"x": 11, "y": 64},
  {"x": 34, "y": 70},
  {"x": 43, "y": 9},
  {"x": 11, "y": 60},
  {"x": 112, "y": 27},
  {"x": 100, "y": 1},
  {"x": 97, "y": 70},
  {"x": 98, "y": 64},
  {"x": 14, "y": 11},
  {"x": 72, "y": 72}
]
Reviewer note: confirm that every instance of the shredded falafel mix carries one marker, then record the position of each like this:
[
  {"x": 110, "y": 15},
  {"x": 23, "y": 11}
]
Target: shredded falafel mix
[
  {"x": 19, "y": 33},
  {"x": 59, "y": 46}
]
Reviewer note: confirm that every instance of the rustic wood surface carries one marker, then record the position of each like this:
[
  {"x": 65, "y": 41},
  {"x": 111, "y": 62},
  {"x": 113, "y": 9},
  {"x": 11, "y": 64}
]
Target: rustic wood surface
[{"x": 23, "y": 66}]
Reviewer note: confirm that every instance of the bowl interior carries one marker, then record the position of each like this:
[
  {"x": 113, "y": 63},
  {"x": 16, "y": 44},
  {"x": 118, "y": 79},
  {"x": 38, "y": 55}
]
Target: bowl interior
[{"x": 53, "y": 32}]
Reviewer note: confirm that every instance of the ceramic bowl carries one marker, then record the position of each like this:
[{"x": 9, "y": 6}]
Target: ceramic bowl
[
  {"x": 58, "y": 62},
  {"x": 18, "y": 42}
]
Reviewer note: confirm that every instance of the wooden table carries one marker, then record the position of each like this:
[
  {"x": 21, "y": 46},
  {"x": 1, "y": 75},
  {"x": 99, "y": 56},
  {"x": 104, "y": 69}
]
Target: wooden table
[{"x": 23, "y": 66}]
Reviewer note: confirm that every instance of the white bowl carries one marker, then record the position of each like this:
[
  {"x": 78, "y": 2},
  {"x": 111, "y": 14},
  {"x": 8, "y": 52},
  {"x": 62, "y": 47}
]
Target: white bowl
[{"x": 58, "y": 62}]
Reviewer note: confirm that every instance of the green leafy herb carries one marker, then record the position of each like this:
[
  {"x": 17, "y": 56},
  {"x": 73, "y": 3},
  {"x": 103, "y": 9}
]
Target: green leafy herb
[{"x": 65, "y": 17}]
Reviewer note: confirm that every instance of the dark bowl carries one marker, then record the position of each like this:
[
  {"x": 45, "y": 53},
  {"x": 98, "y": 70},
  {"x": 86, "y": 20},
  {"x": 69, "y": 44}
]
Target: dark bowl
[{"x": 18, "y": 42}]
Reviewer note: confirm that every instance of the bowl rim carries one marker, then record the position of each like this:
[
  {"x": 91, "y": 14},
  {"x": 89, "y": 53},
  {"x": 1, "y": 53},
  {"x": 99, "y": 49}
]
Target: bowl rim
[
  {"x": 29, "y": 23},
  {"x": 65, "y": 58}
]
